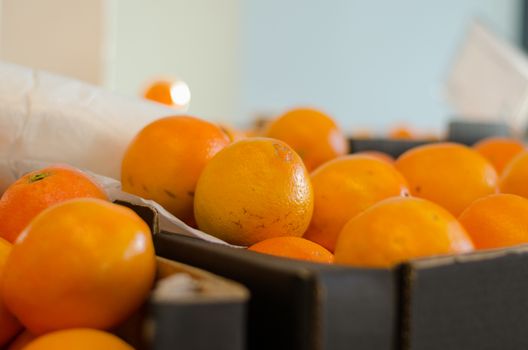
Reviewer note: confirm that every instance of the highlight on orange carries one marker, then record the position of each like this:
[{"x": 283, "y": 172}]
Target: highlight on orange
[
  {"x": 498, "y": 220},
  {"x": 399, "y": 229},
  {"x": 294, "y": 248},
  {"x": 499, "y": 150},
  {"x": 173, "y": 93}
]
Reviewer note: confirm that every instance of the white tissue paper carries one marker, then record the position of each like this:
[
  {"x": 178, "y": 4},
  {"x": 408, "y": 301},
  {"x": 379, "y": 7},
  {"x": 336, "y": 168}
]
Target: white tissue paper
[{"x": 48, "y": 119}]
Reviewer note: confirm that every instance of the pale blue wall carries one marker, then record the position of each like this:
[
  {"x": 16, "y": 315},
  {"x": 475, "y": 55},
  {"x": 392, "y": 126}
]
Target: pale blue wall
[{"x": 369, "y": 63}]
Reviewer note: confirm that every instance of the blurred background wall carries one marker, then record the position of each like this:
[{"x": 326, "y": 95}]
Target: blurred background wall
[{"x": 368, "y": 63}]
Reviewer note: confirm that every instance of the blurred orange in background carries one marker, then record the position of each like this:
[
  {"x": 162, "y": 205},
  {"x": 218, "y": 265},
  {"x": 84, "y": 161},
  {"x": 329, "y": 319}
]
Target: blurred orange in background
[{"x": 173, "y": 93}]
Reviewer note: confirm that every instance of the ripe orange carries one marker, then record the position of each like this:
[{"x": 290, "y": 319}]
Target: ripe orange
[
  {"x": 498, "y": 220},
  {"x": 38, "y": 190},
  {"x": 254, "y": 189},
  {"x": 21, "y": 341},
  {"x": 398, "y": 229},
  {"x": 379, "y": 155},
  {"x": 294, "y": 248},
  {"x": 499, "y": 150},
  {"x": 448, "y": 174},
  {"x": 401, "y": 133},
  {"x": 81, "y": 263},
  {"x": 346, "y": 186},
  {"x": 514, "y": 175},
  {"x": 167, "y": 92},
  {"x": 9, "y": 326},
  {"x": 311, "y": 133},
  {"x": 78, "y": 339},
  {"x": 166, "y": 158},
  {"x": 232, "y": 133}
]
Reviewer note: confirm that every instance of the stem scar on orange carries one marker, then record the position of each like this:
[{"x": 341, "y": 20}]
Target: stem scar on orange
[
  {"x": 81, "y": 263},
  {"x": 311, "y": 133},
  {"x": 449, "y": 174},
  {"x": 38, "y": 190},
  {"x": 254, "y": 189},
  {"x": 399, "y": 229},
  {"x": 165, "y": 159}
]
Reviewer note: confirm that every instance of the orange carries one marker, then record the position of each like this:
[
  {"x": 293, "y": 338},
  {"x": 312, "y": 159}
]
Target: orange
[
  {"x": 448, "y": 174},
  {"x": 38, "y": 190},
  {"x": 21, "y": 341},
  {"x": 294, "y": 248},
  {"x": 166, "y": 158},
  {"x": 232, "y": 133},
  {"x": 254, "y": 189},
  {"x": 168, "y": 92},
  {"x": 9, "y": 325},
  {"x": 81, "y": 263},
  {"x": 379, "y": 155},
  {"x": 499, "y": 150},
  {"x": 78, "y": 339},
  {"x": 346, "y": 186},
  {"x": 498, "y": 220},
  {"x": 398, "y": 229},
  {"x": 401, "y": 133},
  {"x": 514, "y": 175},
  {"x": 311, "y": 133}
]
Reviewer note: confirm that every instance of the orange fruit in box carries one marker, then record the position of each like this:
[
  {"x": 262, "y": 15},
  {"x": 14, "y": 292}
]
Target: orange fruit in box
[
  {"x": 78, "y": 339},
  {"x": 294, "y": 248},
  {"x": 499, "y": 150},
  {"x": 498, "y": 220},
  {"x": 514, "y": 175},
  {"x": 398, "y": 229},
  {"x": 165, "y": 159},
  {"x": 346, "y": 186},
  {"x": 401, "y": 133},
  {"x": 38, "y": 190},
  {"x": 448, "y": 174},
  {"x": 311, "y": 133},
  {"x": 378, "y": 155},
  {"x": 252, "y": 190},
  {"x": 80, "y": 263},
  {"x": 9, "y": 325}
]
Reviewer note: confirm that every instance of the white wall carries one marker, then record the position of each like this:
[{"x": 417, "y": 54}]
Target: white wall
[
  {"x": 195, "y": 40},
  {"x": 369, "y": 63}
]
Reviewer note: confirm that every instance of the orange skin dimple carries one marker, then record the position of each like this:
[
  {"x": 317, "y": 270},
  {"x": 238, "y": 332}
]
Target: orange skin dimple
[
  {"x": 448, "y": 174},
  {"x": 399, "y": 229},
  {"x": 311, "y": 133},
  {"x": 499, "y": 220},
  {"x": 9, "y": 325},
  {"x": 166, "y": 158},
  {"x": 78, "y": 339},
  {"x": 39, "y": 190},
  {"x": 81, "y": 263},
  {"x": 499, "y": 150},
  {"x": 346, "y": 186},
  {"x": 294, "y": 248},
  {"x": 254, "y": 189}
]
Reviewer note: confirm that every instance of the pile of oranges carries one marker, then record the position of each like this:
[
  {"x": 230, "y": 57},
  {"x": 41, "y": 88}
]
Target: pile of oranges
[
  {"x": 292, "y": 190},
  {"x": 72, "y": 264}
]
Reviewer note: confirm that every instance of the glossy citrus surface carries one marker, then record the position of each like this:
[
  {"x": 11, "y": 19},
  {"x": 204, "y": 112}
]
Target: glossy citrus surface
[
  {"x": 514, "y": 176},
  {"x": 81, "y": 263},
  {"x": 311, "y": 133},
  {"x": 346, "y": 186},
  {"x": 294, "y": 248},
  {"x": 78, "y": 339},
  {"x": 499, "y": 150},
  {"x": 254, "y": 189},
  {"x": 448, "y": 174},
  {"x": 166, "y": 158},
  {"x": 498, "y": 220},
  {"x": 398, "y": 229},
  {"x": 38, "y": 190}
]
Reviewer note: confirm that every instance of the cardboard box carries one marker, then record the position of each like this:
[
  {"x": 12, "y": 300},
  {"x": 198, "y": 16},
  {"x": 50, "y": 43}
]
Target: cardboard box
[{"x": 194, "y": 310}]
